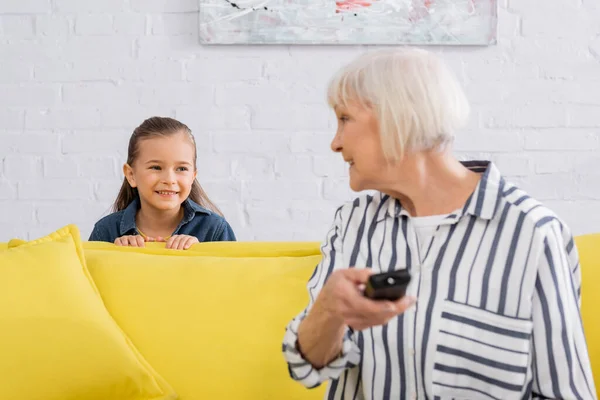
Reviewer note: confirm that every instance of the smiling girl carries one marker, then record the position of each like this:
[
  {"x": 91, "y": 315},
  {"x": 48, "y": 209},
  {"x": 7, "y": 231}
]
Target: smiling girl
[{"x": 160, "y": 199}]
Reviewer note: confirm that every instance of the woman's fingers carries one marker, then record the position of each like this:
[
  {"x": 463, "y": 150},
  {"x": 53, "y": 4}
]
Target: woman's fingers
[
  {"x": 373, "y": 311},
  {"x": 404, "y": 303},
  {"x": 358, "y": 311},
  {"x": 380, "y": 314},
  {"x": 358, "y": 275}
]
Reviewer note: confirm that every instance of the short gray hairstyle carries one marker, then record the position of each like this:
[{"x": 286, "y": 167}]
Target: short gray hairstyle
[{"x": 418, "y": 102}]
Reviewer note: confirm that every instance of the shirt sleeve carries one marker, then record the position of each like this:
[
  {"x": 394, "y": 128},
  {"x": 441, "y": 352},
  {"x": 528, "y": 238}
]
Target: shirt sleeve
[
  {"x": 225, "y": 233},
  {"x": 299, "y": 368},
  {"x": 561, "y": 365}
]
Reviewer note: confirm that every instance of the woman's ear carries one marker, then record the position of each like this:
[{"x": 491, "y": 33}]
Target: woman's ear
[{"x": 128, "y": 172}]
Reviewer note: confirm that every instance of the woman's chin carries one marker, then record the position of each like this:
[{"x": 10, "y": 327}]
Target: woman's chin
[{"x": 356, "y": 185}]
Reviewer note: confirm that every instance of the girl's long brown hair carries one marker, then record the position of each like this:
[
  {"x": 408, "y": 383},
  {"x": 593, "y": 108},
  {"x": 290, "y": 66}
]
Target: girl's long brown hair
[{"x": 159, "y": 127}]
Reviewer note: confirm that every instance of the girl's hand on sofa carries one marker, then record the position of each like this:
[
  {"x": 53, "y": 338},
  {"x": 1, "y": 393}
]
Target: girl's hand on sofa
[
  {"x": 181, "y": 242},
  {"x": 130, "y": 240}
]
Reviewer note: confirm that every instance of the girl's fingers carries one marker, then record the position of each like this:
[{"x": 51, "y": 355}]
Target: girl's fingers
[
  {"x": 169, "y": 241},
  {"x": 130, "y": 240},
  {"x": 181, "y": 242},
  {"x": 172, "y": 243},
  {"x": 190, "y": 241}
]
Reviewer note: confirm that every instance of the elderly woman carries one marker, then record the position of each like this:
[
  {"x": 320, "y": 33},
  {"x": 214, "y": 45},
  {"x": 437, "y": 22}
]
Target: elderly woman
[{"x": 492, "y": 310}]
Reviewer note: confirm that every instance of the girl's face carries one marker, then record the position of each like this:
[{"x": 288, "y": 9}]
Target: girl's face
[{"x": 163, "y": 171}]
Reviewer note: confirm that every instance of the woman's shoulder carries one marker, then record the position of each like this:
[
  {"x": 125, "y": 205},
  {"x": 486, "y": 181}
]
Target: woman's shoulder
[
  {"x": 370, "y": 204},
  {"x": 530, "y": 210},
  {"x": 371, "y": 199}
]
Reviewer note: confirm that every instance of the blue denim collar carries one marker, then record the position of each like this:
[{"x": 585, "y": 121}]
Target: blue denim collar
[{"x": 190, "y": 208}]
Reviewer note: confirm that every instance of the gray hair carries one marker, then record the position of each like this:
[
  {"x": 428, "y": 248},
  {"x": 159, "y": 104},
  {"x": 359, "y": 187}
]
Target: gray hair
[{"x": 417, "y": 100}]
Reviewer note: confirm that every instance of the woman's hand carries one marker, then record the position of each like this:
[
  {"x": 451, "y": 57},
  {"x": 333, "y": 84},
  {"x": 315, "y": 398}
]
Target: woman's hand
[
  {"x": 342, "y": 300},
  {"x": 130, "y": 240},
  {"x": 181, "y": 242},
  {"x": 341, "y": 304}
]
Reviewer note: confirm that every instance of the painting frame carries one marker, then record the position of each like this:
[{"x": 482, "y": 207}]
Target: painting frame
[{"x": 349, "y": 22}]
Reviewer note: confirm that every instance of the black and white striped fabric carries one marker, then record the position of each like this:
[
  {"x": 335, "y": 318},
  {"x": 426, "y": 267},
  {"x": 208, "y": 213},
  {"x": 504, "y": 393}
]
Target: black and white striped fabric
[{"x": 497, "y": 315}]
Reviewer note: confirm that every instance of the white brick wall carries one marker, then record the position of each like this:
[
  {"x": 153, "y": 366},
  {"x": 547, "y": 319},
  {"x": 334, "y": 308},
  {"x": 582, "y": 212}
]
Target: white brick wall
[{"x": 76, "y": 76}]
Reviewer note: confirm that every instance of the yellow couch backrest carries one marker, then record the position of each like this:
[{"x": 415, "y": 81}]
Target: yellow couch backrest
[
  {"x": 167, "y": 309},
  {"x": 210, "y": 320},
  {"x": 589, "y": 255}
]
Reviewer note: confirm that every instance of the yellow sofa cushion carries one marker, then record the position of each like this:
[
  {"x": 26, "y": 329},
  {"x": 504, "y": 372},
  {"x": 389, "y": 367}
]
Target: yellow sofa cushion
[
  {"x": 165, "y": 336},
  {"x": 589, "y": 255},
  {"x": 210, "y": 319},
  {"x": 57, "y": 340}
]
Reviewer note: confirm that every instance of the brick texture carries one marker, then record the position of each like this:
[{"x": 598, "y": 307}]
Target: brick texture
[{"x": 77, "y": 76}]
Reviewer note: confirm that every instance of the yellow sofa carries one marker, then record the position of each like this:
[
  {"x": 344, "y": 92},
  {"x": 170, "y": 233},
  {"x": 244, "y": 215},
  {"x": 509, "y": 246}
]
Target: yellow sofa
[{"x": 210, "y": 320}]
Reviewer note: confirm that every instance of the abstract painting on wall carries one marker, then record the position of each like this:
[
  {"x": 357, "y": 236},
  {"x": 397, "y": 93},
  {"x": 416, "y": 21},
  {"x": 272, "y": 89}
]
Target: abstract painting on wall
[{"x": 419, "y": 22}]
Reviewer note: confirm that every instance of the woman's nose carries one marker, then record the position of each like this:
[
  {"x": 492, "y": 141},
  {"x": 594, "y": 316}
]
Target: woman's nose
[{"x": 336, "y": 143}]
